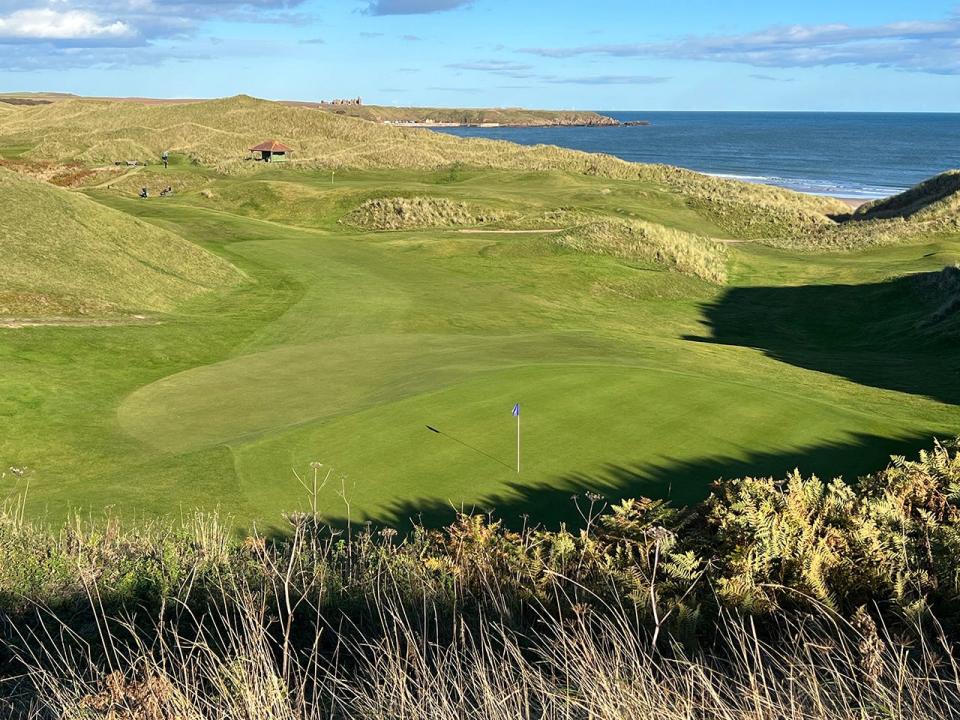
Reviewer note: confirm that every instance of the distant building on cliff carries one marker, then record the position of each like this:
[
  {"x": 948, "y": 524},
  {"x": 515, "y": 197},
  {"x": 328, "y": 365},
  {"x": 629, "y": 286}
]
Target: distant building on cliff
[{"x": 339, "y": 101}]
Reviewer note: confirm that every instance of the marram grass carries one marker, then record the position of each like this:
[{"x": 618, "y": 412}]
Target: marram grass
[
  {"x": 399, "y": 213},
  {"x": 646, "y": 242}
]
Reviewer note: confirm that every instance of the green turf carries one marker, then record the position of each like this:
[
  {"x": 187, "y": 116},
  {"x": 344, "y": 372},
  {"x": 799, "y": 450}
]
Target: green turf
[{"x": 345, "y": 344}]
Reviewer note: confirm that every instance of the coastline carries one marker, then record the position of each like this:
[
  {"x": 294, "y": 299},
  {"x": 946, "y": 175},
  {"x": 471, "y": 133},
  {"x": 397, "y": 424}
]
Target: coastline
[
  {"x": 542, "y": 124},
  {"x": 843, "y": 195},
  {"x": 835, "y": 155}
]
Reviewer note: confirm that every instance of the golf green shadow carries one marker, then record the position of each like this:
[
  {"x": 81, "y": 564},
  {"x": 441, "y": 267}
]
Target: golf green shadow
[
  {"x": 566, "y": 500},
  {"x": 902, "y": 335}
]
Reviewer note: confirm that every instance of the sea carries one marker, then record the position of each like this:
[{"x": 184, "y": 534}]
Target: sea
[{"x": 848, "y": 155}]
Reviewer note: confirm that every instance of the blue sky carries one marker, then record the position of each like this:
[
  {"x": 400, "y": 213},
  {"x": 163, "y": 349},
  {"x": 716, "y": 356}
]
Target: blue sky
[{"x": 604, "y": 54}]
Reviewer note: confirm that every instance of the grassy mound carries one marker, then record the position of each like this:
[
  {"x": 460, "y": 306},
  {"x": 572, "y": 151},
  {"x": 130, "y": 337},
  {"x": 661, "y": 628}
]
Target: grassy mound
[
  {"x": 746, "y": 210},
  {"x": 277, "y": 201},
  {"x": 647, "y": 242},
  {"x": 400, "y": 213},
  {"x": 935, "y": 199},
  {"x": 930, "y": 207},
  {"x": 846, "y": 236},
  {"x": 64, "y": 254}
]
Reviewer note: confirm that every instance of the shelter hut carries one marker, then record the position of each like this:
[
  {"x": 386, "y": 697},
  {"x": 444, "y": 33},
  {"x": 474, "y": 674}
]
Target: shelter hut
[{"x": 272, "y": 151}]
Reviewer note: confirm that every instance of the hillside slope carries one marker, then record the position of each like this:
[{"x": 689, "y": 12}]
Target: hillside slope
[
  {"x": 219, "y": 133},
  {"x": 65, "y": 255}
]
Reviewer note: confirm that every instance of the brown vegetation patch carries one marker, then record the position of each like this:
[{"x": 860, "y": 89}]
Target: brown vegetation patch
[
  {"x": 66, "y": 175},
  {"x": 399, "y": 213}
]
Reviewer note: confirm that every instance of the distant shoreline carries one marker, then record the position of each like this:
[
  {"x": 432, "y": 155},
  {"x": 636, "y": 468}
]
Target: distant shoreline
[{"x": 482, "y": 125}]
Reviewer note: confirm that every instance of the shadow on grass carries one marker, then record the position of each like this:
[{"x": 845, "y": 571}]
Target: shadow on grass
[
  {"x": 883, "y": 335},
  {"x": 683, "y": 482}
]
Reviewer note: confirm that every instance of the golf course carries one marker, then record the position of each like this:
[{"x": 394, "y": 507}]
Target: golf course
[{"x": 272, "y": 335}]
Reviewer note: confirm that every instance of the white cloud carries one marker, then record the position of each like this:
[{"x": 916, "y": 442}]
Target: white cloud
[
  {"x": 413, "y": 7},
  {"x": 496, "y": 67},
  {"x": 50, "y": 24},
  {"x": 913, "y": 45},
  {"x": 609, "y": 80},
  {"x": 518, "y": 71},
  {"x": 38, "y": 34}
]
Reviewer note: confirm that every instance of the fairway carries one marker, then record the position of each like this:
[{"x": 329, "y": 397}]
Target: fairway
[{"x": 344, "y": 343}]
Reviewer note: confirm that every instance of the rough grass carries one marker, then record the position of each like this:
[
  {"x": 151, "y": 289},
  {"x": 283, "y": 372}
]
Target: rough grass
[
  {"x": 647, "y": 242},
  {"x": 399, "y": 213},
  {"x": 750, "y": 211},
  {"x": 64, "y": 254},
  {"x": 930, "y": 207}
]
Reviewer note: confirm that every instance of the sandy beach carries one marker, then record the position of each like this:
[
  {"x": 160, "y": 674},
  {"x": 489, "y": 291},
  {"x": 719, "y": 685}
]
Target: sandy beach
[{"x": 854, "y": 202}]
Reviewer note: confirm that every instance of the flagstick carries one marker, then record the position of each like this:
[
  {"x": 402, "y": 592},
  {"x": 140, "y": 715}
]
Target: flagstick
[{"x": 518, "y": 443}]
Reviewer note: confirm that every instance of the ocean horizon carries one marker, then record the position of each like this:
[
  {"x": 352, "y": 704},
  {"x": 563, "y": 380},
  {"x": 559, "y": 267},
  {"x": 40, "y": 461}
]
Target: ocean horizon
[{"x": 852, "y": 155}]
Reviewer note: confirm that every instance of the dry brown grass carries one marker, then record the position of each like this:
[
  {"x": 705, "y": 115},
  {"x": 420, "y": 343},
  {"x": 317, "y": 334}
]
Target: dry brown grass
[
  {"x": 425, "y": 665},
  {"x": 400, "y": 213}
]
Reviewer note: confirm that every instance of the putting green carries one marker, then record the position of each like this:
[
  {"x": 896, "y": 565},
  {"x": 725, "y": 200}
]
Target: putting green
[
  {"x": 273, "y": 390},
  {"x": 614, "y": 430}
]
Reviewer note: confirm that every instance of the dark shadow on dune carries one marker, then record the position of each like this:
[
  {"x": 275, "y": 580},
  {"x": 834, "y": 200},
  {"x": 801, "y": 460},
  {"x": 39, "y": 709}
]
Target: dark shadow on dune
[
  {"x": 683, "y": 482},
  {"x": 885, "y": 335}
]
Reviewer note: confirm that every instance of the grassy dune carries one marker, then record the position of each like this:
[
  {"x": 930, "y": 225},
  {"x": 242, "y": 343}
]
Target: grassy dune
[
  {"x": 64, "y": 254},
  {"x": 935, "y": 199},
  {"x": 690, "y": 254}
]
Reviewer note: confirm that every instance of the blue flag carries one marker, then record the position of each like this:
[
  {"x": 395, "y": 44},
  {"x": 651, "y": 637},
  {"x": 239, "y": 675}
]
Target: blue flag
[{"x": 516, "y": 410}]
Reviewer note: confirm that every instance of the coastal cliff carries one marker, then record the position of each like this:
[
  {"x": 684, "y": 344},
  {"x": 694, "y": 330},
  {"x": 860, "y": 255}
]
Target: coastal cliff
[{"x": 476, "y": 117}]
